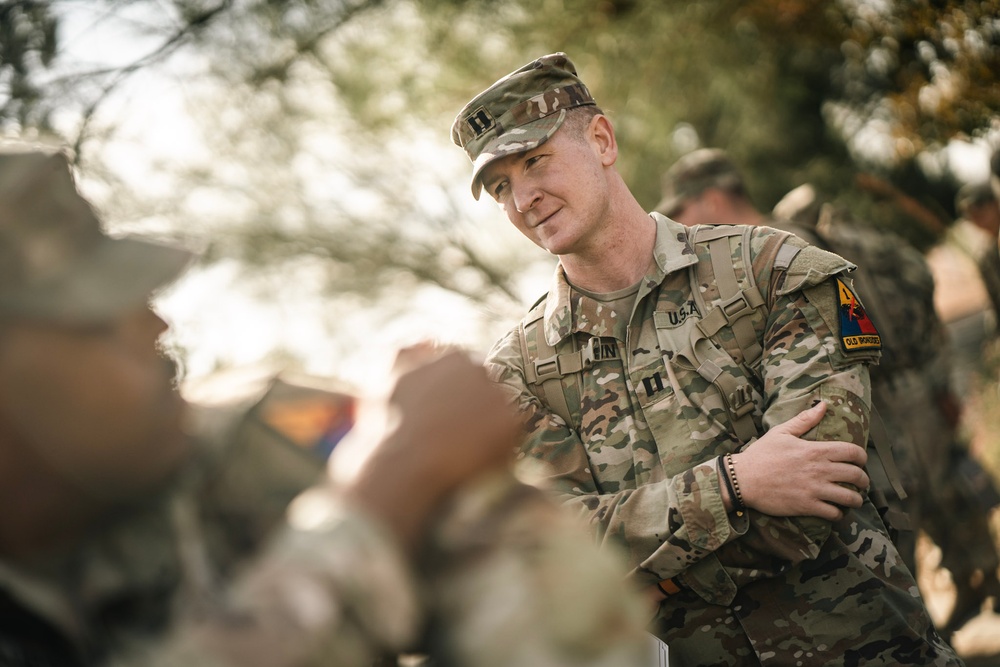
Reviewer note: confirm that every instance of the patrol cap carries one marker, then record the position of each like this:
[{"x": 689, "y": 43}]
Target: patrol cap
[
  {"x": 693, "y": 174},
  {"x": 55, "y": 262},
  {"x": 973, "y": 194},
  {"x": 519, "y": 112}
]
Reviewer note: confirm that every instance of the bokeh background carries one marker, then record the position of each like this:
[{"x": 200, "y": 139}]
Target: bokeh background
[{"x": 303, "y": 145}]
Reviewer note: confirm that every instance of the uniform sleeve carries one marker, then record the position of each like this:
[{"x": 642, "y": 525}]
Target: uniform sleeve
[
  {"x": 664, "y": 526},
  {"x": 818, "y": 343},
  {"x": 335, "y": 589},
  {"x": 505, "y": 578},
  {"x": 512, "y": 579}
]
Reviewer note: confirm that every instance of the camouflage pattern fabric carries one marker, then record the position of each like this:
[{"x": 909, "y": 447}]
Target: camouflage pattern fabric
[
  {"x": 499, "y": 585},
  {"x": 507, "y": 577},
  {"x": 640, "y": 465},
  {"x": 908, "y": 386}
]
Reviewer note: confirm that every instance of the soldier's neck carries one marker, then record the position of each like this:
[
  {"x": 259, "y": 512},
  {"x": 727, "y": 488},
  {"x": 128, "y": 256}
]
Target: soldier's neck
[{"x": 619, "y": 258}]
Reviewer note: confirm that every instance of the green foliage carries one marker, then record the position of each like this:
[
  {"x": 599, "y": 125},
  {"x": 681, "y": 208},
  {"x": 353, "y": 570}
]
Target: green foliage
[
  {"x": 855, "y": 96},
  {"x": 28, "y": 43}
]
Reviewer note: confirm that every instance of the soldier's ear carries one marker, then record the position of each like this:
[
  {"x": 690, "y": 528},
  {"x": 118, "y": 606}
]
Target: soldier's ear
[{"x": 602, "y": 134}]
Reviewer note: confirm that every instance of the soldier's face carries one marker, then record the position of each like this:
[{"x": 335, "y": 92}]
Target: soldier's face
[
  {"x": 93, "y": 405},
  {"x": 556, "y": 194}
]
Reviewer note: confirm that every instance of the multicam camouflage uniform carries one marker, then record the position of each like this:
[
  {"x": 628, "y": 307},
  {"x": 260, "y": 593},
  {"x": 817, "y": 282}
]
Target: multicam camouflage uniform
[
  {"x": 641, "y": 464},
  {"x": 502, "y": 583},
  {"x": 911, "y": 389}
]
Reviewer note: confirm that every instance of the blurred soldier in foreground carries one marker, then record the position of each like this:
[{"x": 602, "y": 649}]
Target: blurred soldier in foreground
[
  {"x": 142, "y": 530},
  {"x": 688, "y": 392}
]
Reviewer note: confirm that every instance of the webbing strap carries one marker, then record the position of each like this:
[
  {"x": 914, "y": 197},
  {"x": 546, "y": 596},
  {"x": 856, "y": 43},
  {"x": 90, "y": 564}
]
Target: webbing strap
[
  {"x": 737, "y": 398},
  {"x": 548, "y": 368},
  {"x": 736, "y": 303},
  {"x": 711, "y": 232},
  {"x": 786, "y": 253},
  {"x": 883, "y": 447}
]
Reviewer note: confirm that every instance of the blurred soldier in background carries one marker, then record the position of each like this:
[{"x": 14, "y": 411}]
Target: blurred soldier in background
[
  {"x": 949, "y": 494},
  {"x": 910, "y": 384},
  {"x": 976, "y": 203},
  {"x": 705, "y": 187},
  {"x": 139, "y": 529},
  {"x": 966, "y": 267}
]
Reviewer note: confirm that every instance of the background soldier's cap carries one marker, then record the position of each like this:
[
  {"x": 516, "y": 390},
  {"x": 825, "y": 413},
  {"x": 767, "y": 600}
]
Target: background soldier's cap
[
  {"x": 973, "y": 194},
  {"x": 519, "y": 112},
  {"x": 801, "y": 205},
  {"x": 693, "y": 174},
  {"x": 55, "y": 262}
]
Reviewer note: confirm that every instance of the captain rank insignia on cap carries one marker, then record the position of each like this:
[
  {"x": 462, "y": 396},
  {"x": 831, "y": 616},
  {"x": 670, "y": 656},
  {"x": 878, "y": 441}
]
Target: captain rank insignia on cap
[{"x": 481, "y": 121}]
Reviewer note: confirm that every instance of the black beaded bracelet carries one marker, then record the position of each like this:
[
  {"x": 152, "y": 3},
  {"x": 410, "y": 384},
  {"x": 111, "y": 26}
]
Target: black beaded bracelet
[
  {"x": 732, "y": 484},
  {"x": 740, "y": 505}
]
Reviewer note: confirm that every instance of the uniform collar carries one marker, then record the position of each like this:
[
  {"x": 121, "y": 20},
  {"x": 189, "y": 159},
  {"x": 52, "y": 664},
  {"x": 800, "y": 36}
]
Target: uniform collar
[{"x": 672, "y": 251}]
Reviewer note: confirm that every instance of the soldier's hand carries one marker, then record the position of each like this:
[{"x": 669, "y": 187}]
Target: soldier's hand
[
  {"x": 442, "y": 423},
  {"x": 783, "y": 475}
]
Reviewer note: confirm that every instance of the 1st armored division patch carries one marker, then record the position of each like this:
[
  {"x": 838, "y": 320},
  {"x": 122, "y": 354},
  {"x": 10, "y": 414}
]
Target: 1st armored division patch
[{"x": 857, "y": 331}]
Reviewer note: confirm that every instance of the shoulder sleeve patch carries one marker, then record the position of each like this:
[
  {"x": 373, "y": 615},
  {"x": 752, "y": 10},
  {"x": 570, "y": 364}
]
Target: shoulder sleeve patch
[{"x": 857, "y": 331}]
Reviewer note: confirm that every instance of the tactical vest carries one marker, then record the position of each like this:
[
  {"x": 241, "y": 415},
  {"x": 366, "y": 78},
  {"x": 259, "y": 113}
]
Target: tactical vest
[{"x": 732, "y": 364}]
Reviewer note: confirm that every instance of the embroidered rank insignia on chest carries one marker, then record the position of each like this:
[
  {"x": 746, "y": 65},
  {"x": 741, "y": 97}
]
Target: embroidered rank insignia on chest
[{"x": 857, "y": 331}]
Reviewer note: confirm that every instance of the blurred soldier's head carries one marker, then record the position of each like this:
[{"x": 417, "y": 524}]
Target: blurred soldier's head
[
  {"x": 704, "y": 187},
  {"x": 87, "y": 400},
  {"x": 800, "y": 205},
  {"x": 976, "y": 203}
]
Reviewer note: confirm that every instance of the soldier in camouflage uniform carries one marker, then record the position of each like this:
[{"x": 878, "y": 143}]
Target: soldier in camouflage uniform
[
  {"x": 910, "y": 385},
  {"x": 764, "y": 548},
  {"x": 141, "y": 530},
  {"x": 950, "y": 495},
  {"x": 976, "y": 203},
  {"x": 966, "y": 267}
]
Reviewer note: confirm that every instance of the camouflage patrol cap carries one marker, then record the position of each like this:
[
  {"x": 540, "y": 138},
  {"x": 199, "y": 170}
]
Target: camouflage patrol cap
[
  {"x": 693, "y": 174},
  {"x": 973, "y": 194},
  {"x": 55, "y": 262},
  {"x": 519, "y": 112},
  {"x": 801, "y": 205}
]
